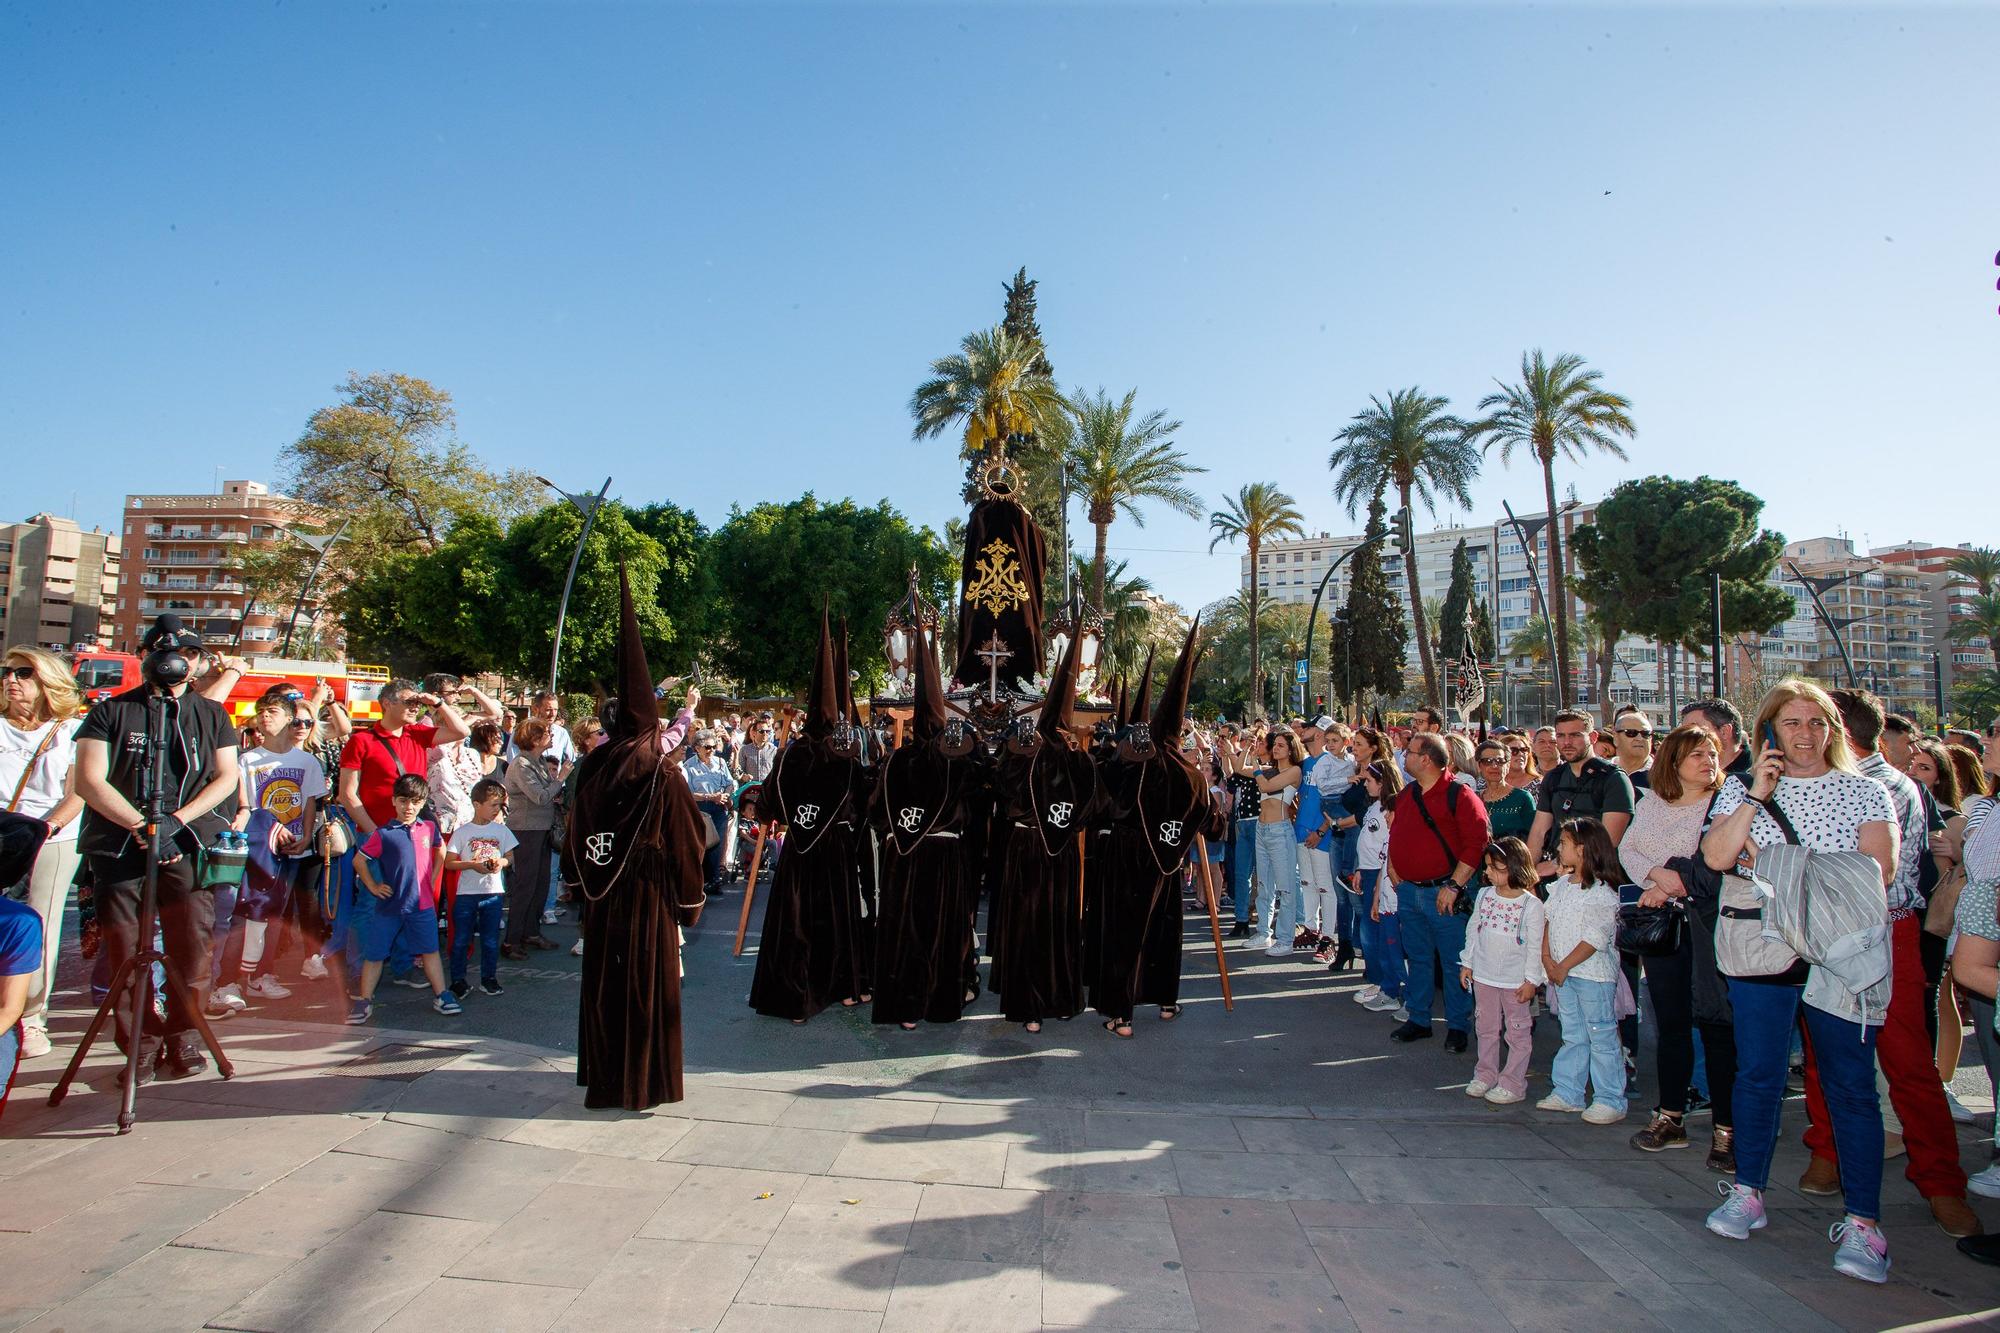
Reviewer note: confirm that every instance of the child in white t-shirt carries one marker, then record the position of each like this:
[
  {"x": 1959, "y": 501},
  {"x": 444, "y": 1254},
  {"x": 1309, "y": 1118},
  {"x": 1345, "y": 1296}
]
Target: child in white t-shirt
[
  {"x": 1577, "y": 955},
  {"x": 1502, "y": 967},
  {"x": 479, "y": 850},
  {"x": 1381, "y": 943}
]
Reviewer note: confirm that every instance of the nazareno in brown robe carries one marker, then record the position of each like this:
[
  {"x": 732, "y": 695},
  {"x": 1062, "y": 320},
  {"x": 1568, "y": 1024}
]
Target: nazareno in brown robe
[{"x": 634, "y": 850}]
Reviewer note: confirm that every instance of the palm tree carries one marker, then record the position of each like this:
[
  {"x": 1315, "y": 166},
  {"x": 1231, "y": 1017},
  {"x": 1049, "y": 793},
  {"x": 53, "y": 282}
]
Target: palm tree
[
  {"x": 1257, "y": 513},
  {"x": 992, "y": 386},
  {"x": 1981, "y": 564},
  {"x": 1413, "y": 444},
  {"x": 1128, "y": 617},
  {"x": 1557, "y": 408},
  {"x": 1117, "y": 462},
  {"x": 1982, "y": 622}
]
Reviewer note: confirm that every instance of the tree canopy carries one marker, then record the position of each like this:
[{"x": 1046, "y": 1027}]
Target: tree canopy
[
  {"x": 773, "y": 564},
  {"x": 1371, "y": 632}
]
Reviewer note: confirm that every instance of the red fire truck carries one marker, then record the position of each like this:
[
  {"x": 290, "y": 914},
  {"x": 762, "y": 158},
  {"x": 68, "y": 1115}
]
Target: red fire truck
[{"x": 355, "y": 687}]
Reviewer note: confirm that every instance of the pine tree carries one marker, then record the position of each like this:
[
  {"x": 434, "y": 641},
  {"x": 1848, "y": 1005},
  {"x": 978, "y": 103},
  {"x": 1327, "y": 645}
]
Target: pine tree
[
  {"x": 1484, "y": 645},
  {"x": 1372, "y": 625},
  {"x": 1457, "y": 605},
  {"x": 1020, "y": 317}
]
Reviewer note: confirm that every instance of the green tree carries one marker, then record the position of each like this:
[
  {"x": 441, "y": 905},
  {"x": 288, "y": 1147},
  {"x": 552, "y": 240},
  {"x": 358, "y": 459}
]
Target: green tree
[
  {"x": 1531, "y": 642},
  {"x": 1558, "y": 408},
  {"x": 1370, "y": 634},
  {"x": 1128, "y": 617},
  {"x": 387, "y": 456},
  {"x": 1411, "y": 443},
  {"x": 989, "y": 389},
  {"x": 1978, "y": 697},
  {"x": 1020, "y": 319},
  {"x": 442, "y": 610},
  {"x": 1484, "y": 645},
  {"x": 1456, "y": 611},
  {"x": 536, "y": 553},
  {"x": 1119, "y": 463},
  {"x": 1644, "y": 563},
  {"x": 1258, "y": 513},
  {"x": 775, "y": 562},
  {"x": 1981, "y": 564},
  {"x": 687, "y": 581}
]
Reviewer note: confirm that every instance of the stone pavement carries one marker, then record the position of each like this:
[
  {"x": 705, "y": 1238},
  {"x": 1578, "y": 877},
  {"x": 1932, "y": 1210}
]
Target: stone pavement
[{"x": 946, "y": 1179}]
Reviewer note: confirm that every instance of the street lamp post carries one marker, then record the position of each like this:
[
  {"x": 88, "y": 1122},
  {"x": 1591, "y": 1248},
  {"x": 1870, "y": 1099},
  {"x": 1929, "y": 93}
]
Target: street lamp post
[
  {"x": 1526, "y": 529},
  {"x": 587, "y": 505},
  {"x": 1814, "y": 587},
  {"x": 322, "y": 543}
]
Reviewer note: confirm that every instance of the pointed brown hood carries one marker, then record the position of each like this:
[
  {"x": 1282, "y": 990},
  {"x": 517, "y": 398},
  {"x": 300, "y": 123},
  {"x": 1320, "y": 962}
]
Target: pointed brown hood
[
  {"x": 1061, "y": 696},
  {"x": 1118, "y": 704},
  {"x": 845, "y": 677},
  {"x": 1172, "y": 714},
  {"x": 638, "y": 711},
  {"x": 1142, "y": 706},
  {"x": 823, "y": 695},
  {"x": 929, "y": 716}
]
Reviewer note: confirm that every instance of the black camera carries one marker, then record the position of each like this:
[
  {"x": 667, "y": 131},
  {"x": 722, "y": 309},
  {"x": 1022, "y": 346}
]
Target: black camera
[{"x": 170, "y": 649}]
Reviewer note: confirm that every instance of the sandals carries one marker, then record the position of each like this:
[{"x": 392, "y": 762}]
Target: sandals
[
  {"x": 1169, "y": 1012},
  {"x": 1118, "y": 1027}
]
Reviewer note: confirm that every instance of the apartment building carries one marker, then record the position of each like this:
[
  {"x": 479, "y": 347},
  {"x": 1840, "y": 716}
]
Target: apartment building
[
  {"x": 182, "y": 553},
  {"x": 1882, "y": 610},
  {"x": 58, "y": 583},
  {"x": 1951, "y": 602}
]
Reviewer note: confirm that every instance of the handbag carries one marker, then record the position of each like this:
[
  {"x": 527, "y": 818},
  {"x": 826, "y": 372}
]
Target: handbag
[
  {"x": 1747, "y": 943},
  {"x": 34, "y": 760},
  {"x": 1652, "y": 932}
]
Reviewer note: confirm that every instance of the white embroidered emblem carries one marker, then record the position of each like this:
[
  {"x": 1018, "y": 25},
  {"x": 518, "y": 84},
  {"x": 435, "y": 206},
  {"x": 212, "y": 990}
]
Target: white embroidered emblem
[
  {"x": 911, "y": 819},
  {"x": 1170, "y": 832},
  {"x": 597, "y": 848},
  {"x": 1059, "y": 813},
  {"x": 805, "y": 816}
]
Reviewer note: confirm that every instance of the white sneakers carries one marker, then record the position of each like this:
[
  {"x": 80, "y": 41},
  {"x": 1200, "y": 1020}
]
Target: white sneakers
[
  {"x": 1960, "y": 1112},
  {"x": 34, "y": 1042},
  {"x": 1552, "y": 1102},
  {"x": 1384, "y": 1004},
  {"x": 1278, "y": 949},
  {"x": 1740, "y": 1213},
  {"x": 227, "y": 1002},
  {"x": 1366, "y": 993},
  {"x": 576, "y": 950},
  {"x": 267, "y": 987},
  {"x": 1501, "y": 1097},
  {"x": 314, "y": 968},
  {"x": 1477, "y": 1089},
  {"x": 1985, "y": 1183},
  {"x": 1603, "y": 1113}
]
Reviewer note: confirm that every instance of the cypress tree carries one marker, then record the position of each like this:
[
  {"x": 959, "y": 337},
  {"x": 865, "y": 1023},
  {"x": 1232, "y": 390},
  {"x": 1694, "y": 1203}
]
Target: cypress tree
[
  {"x": 1457, "y": 604},
  {"x": 1372, "y": 627},
  {"x": 1020, "y": 317}
]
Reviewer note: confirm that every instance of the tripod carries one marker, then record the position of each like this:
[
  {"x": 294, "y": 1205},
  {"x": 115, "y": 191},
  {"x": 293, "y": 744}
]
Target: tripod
[{"x": 137, "y": 971}]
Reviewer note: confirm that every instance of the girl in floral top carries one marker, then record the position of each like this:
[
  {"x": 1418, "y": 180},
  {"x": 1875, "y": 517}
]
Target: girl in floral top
[{"x": 1502, "y": 967}]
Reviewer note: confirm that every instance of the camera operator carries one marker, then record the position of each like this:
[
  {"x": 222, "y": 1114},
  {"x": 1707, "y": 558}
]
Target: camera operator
[{"x": 198, "y": 779}]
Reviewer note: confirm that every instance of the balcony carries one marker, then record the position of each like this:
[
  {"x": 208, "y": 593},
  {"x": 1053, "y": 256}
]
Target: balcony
[{"x": 218, "y": 640}]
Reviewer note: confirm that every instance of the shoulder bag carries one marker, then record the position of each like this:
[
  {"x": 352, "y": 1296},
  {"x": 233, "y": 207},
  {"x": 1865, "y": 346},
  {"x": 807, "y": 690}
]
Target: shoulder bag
[
  {"x": 1747, "y": 942},
  {"x": 34, "y": 762},
  {"x": 1462, "y": 905}
]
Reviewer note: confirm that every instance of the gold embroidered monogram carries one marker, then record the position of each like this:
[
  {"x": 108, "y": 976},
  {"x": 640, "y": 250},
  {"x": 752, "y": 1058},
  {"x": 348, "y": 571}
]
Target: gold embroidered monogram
[{"x": 998, "y": 587}]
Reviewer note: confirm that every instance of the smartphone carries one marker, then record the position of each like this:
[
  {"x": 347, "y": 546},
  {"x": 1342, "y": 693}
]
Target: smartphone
[{"x": 1769, "y": 734}]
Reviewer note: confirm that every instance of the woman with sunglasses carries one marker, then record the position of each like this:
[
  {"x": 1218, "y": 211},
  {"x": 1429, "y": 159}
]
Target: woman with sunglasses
[
  {"x": 1509, "y": 810},
  {"x": 1522, "y": 772},
  {"x": 37, "y": 777}
]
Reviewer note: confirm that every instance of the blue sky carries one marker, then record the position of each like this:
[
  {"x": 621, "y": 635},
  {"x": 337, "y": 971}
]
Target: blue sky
[{"x": 711, "y": 249}]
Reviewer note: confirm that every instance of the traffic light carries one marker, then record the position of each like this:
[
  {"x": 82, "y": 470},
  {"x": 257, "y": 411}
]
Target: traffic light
[{"x": 1399, "y": 531}]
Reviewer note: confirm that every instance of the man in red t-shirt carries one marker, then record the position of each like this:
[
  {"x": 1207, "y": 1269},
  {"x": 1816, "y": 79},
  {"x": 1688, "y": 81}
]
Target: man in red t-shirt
[
  {"x": 1434, "y": 873},
  {"x": 376, "y": 756}
]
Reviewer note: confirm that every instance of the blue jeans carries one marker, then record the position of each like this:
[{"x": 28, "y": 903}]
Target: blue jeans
[
  {"x": 1431, "y": 938},
  {"x": 480, "y": 915},
  {"x": 1381, "y": 942},
  {"x": 1590, "y": 1044},
  {"x": 1346, "y": 849},
  {"x": 1349, "y": 914},
  {"x": 1278, "y": 878},
  {"x": 1242, "y": 853},
  {"x": 1844, "y": 1053},
  {"x": 225, "y": 917}
]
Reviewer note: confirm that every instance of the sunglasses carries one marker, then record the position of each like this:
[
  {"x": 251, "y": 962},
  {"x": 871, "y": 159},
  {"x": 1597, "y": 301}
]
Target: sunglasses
[
  {"x": 18, "y": 672},
  {"x": 1492, "y": 759},
  {"x": 301, "y": 722},
  {"x": 1634, "y": 733}
]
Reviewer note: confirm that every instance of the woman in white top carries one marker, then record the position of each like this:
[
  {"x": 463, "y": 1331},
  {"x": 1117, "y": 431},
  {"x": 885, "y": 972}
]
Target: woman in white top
[
  {"x": 1805, "y": 770},
  {"x": 1686, "y": 775},
  {"x": 38, "y": 777},
  {"x": 1277, "y": 845}
]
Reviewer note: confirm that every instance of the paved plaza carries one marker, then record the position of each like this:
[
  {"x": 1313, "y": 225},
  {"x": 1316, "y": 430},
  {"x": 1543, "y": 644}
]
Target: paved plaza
[{"x": 1281, "y": 1167}]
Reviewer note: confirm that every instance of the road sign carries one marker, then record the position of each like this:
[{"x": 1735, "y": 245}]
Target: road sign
[{"x": 1299, "y": 671}]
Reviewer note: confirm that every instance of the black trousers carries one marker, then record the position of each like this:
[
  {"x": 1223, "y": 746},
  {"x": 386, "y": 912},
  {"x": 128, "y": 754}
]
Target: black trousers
[
  {"x": 1670, "y": 987},
  {"x": 527, "y": 886},
  {"x": 187, "y": 922}
]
